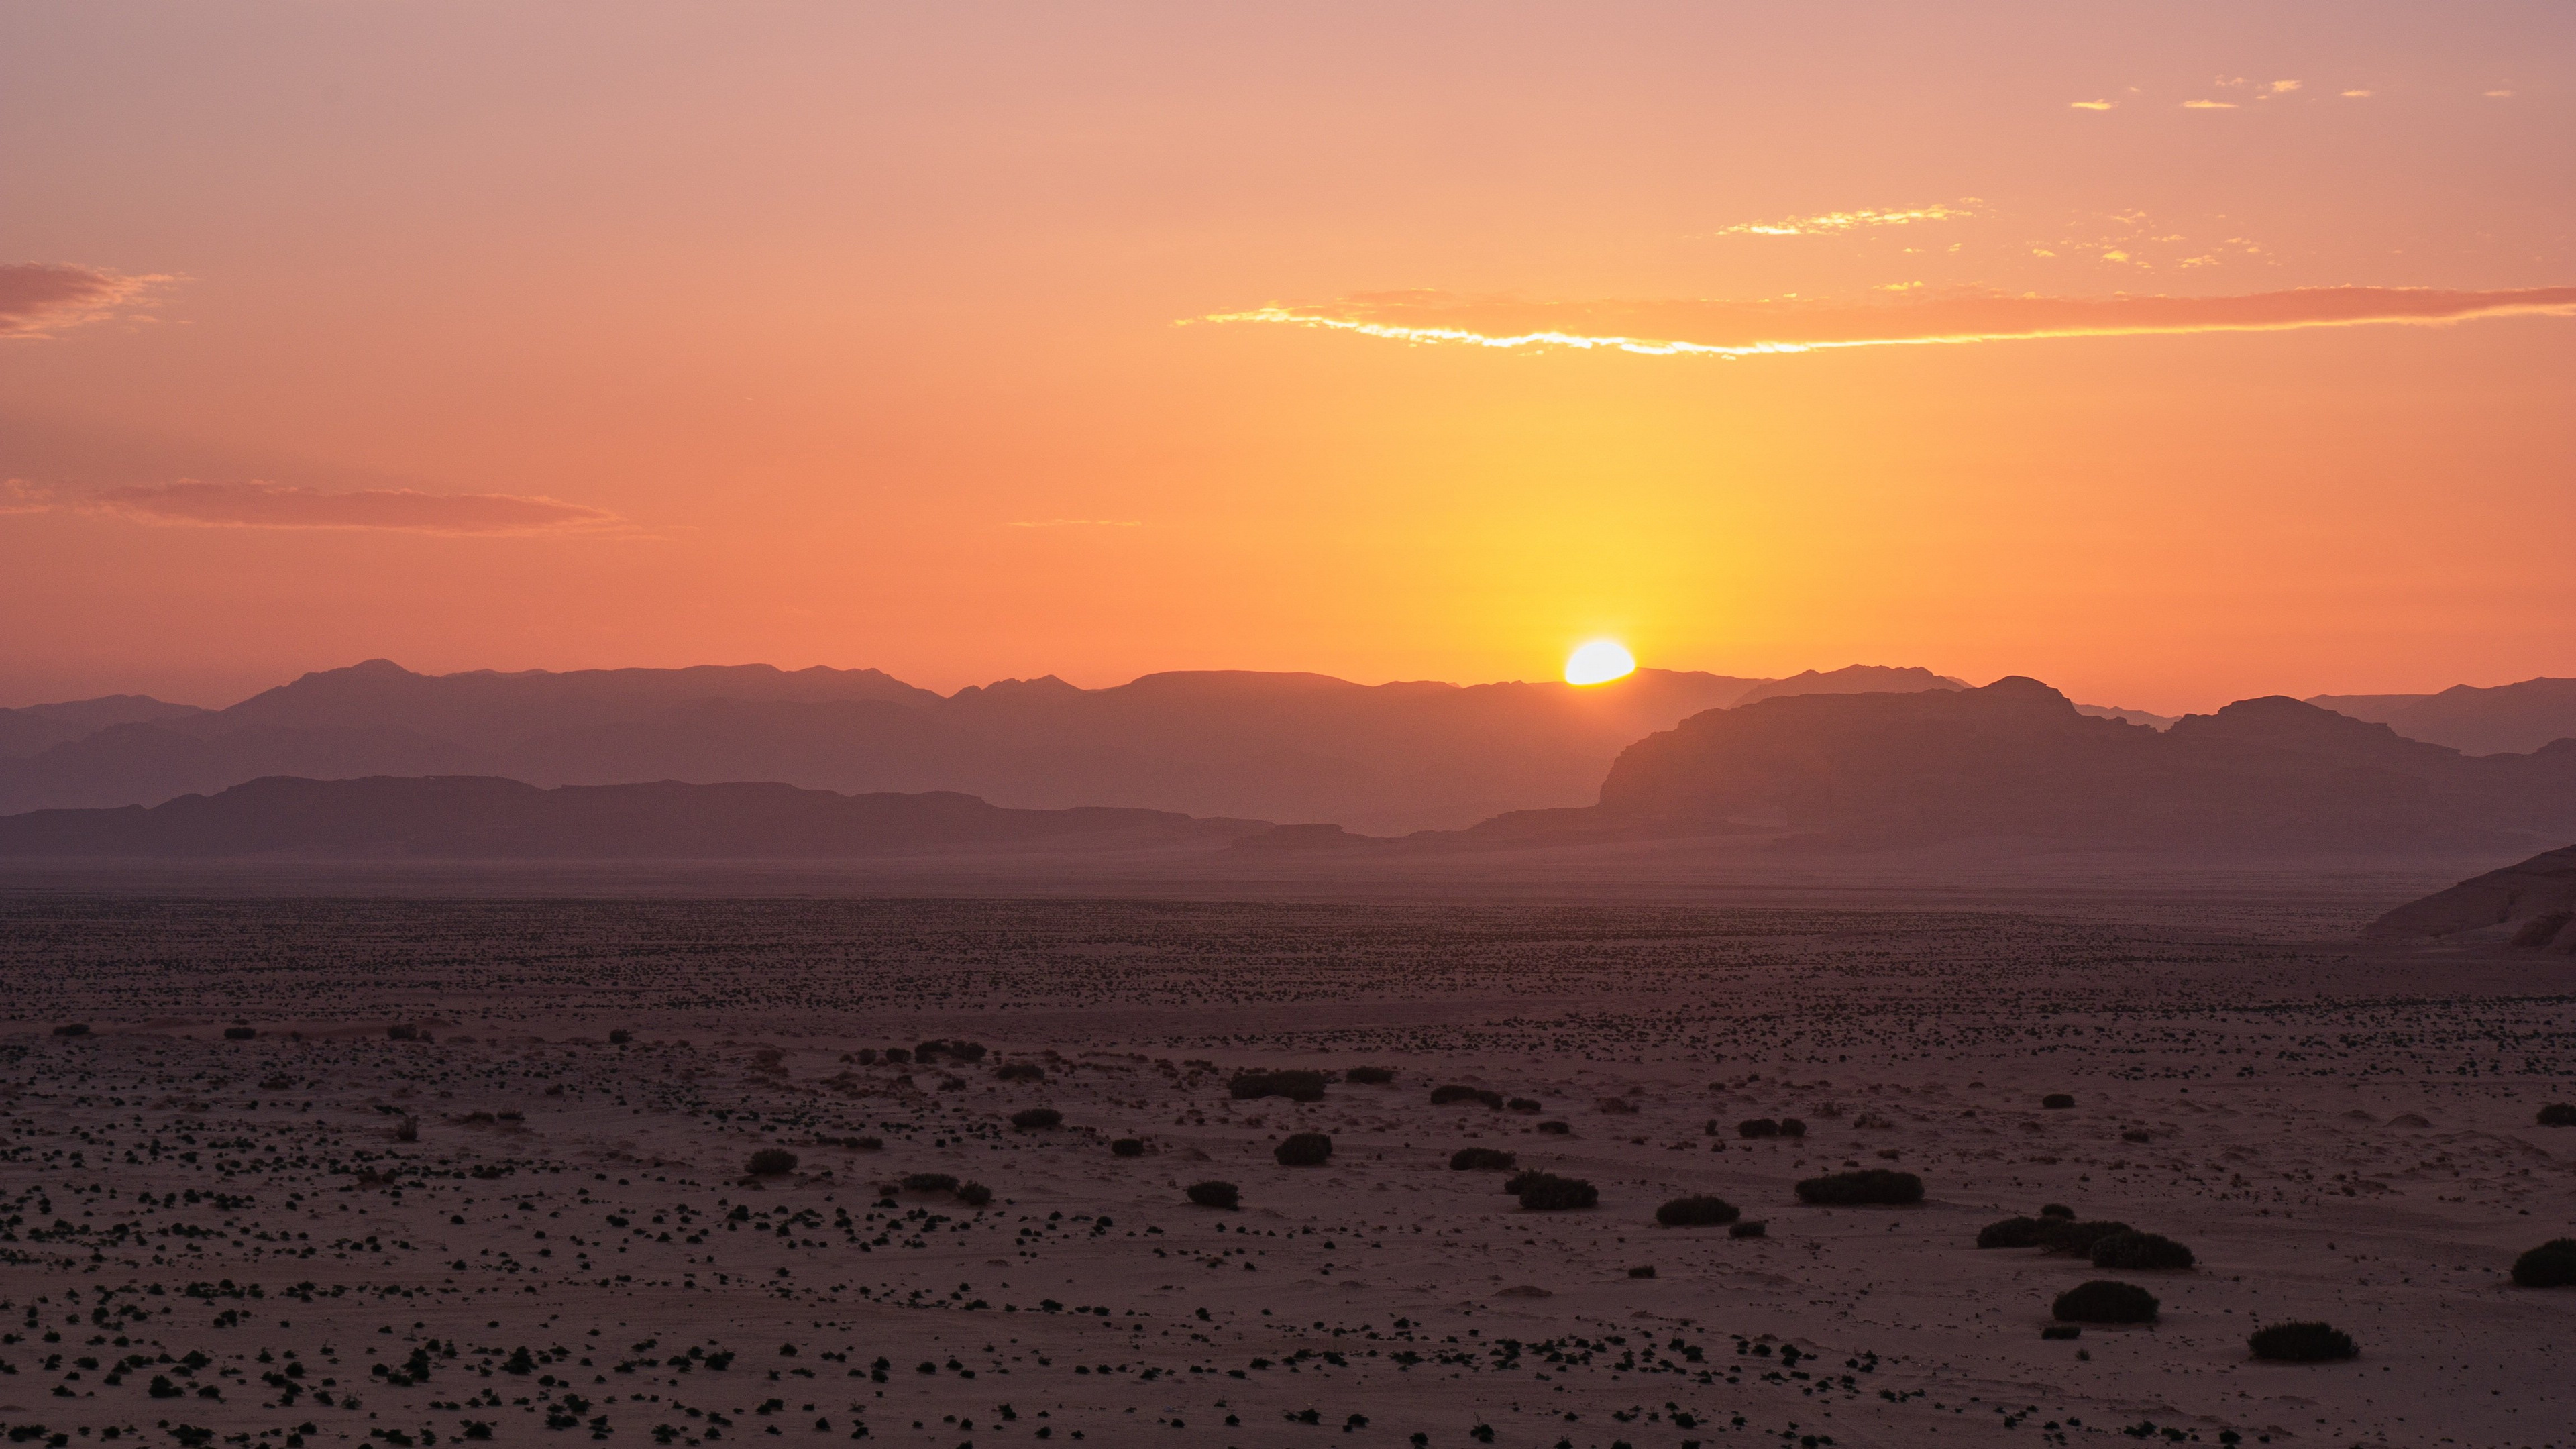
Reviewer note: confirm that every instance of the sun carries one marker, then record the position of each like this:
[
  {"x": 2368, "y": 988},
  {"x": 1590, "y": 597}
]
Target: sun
[{"x": 1599, "y": 662}]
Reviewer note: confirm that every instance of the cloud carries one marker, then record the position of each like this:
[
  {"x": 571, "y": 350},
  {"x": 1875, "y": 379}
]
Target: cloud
[
  {"x": 2356, "y": 95},
  {"x": 38, "y": 299},
  {"x": 1739, "y": 329},
  {"x": 1839, "y": 221},
  {"x": 2209, "y": 105},
  {"x": 189, "y": 503},
  {"x": 2090, "y": 105}
]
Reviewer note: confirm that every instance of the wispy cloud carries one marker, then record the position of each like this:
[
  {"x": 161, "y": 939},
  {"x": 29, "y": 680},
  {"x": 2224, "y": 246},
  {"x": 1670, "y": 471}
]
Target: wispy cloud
[
  {"x": 1740, "y": 329},
  {"x": 2209, "y": 105},
  {"x": 189, "y": 503},
  {"x": 2091, "y": 105},
  {"x": 1842, "y": 221},
  {"x": 39, "y": 299},
  {"x": 1075, "y": 523}
]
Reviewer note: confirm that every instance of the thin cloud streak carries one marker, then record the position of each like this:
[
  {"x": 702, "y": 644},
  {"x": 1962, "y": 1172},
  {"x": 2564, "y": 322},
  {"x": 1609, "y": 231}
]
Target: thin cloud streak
[
  {"x": 189, "y": 503},
  {"x": 1841, "y": 221},
  {"x": 1745, "y": 329},
  {"x": 38, "y": 299}
]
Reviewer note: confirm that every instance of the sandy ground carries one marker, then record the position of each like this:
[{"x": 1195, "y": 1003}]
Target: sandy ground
[{"x": 230, "y": 1239}]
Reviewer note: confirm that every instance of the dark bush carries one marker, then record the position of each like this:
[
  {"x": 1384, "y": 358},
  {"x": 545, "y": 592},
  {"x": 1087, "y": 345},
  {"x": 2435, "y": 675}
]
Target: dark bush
[
  {"x": 1644, "y": 1271},
  {"x": 1295, "y": 1086},
  {"x": 2058, "y": 1235},
  {"x": 2134, "y": 1250},
  {"x": 771, "y": 1162},
  {"x": 1522, "y": 1104},
  {"x": 240, "y": 1033},
  {"x": 1874, "y": 1186},
  {"x": 1749, "y": 1228},
  {"x": 2103, "y": 1301},
  {"x": 2057, "y": 1101},
  {"x": 620, "y": 1037},
  {"x": 403, "y": 1032},
  {"x": 1480, "y": 1159},
  {"x": 1029, "y": 1119},
  {"x": 1127, "y": 1147},
  {"x": 1697, "y": 1212},
  {"x": 2551, "y": 1265},
  {"x": 2058, "y": 1210},
  {"x": 974, "y": 1194},
  {"x": 2558, "y": 1114},
  {"x": 1757, "y": 1127},
  {"x": 2061, "y": 1330},
  {"x": 1020, "y": 1072},
  {"x": 930, "y": 1182},
  {"x": 1443, "y": 1096},
  {"x": 867, "y": 1056},
  {"x": 1550, "y": 1193},
  {"x": 1556, "y": 1129},
  {"x": 2010, "y": 1233},
  {"x": 855, "y": 1144},
  {"x": 2303, "y": 1343},
  {"x": 1370, "y": 1076},
  {"x": 1214, "y": 1194},
  {"x": 898, "y": 1055},
  {"x": 1304, "y": 1149},
  {"x": 72, "y": 1028},
  {"x": 1792, "y": 1127},
  {"x": 1618, "y": 1106},
  {"x": 961, "y": 1051}
]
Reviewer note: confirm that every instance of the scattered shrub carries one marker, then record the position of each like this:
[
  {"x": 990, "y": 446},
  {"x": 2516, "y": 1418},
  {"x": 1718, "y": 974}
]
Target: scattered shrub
[
  {"x": 1480, "y": 1159},
  {"x": 2057, "y": 1101},
  {"x": 2010, "y": 1233},
  {"x": 1522, "y": 1104},
  {"x": 72, "y": 1028},
  {"x": 2135, "y": 1250},
  {"x": 1127, "y": 1147},
  {"x": 2059, "y": 1235},
  {"x": 2104, "y": 1301},
  {"x": 239, "y": 1033},
  {"x": 2138, "y": 1135},
  {"x": 1792, "y": 1127},
  {"x": 2558, "y": 1114},
  {"x": 407, "y": 1130},
  {"x": 1757, "y": 1127},
  {"x": 1556, "y": 1129},
  {"x": 1214, "y": 1194},
  {"x": 621, "y": 1037},
  {"x": 930, "y": 1182},
  {"x": 867, "y": 1056},
  {"x": 1643, "y": 1271},
  {"x": 2057, "y": 1210},
  {"x": 898, "y": 1055},
  {"x": 2061, "y": 1330},
  {"x": 1370, "y": 1076},
  {"x": 1749, "y": 1228},
  {"x": 1443, "y": 1096},
  {"x": 1874, "y": 1186},
  {"x": 2551, "y": 1265},
  {"x": 1697, "y": 1212},
  {"x": 1031, "y": 1119},
  {"x": 1020, "y": 1072},
  {"x": 1295, "y": 1086},
  {"x": 1618, "y": 1106},
  {"x": 403, "y": 1031},
  {"x": 961, "y": 1051},
  {"x": 2303, "y": 1343},
  {"x": 974, "y": 1194},
  {"x": 771, "y": 1162},
  {"x": 1546, "y": 1192},
  {"x": 1304, "y": 1149},
  {"x": 855, "y": 1144}
]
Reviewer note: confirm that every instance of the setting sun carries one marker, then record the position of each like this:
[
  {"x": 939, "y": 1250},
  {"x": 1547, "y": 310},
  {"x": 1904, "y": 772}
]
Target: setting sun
[{"x": 1599, "y": 662}]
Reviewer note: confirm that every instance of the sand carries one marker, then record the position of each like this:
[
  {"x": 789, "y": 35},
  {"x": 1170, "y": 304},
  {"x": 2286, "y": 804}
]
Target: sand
[{"x": 236, "y": 1239}]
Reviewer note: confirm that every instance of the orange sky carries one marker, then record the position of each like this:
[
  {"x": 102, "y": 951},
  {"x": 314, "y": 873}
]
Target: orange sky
[{"x": 888, "y": 335}]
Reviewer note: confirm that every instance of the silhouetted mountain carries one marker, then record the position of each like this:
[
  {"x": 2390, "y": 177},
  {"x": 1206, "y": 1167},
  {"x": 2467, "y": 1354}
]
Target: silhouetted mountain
[
  {"x": 471, "y": 818},
  {"x": 148, "y": 763},
  {"x": 1851, "y": 679},
  {"x": 41, "y": 726},
  {"x": 2531, "y": 904},
  {"x": 2016, "y": 759},
  {"x": 2507, "y": 719}
]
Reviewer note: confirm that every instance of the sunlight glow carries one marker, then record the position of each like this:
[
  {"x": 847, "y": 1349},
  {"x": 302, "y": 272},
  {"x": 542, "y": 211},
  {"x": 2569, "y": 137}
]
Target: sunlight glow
[{"x": 1599, "y": 662}]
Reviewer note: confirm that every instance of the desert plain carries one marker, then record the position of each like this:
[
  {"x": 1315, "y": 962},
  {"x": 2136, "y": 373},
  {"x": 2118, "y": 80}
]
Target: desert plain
[{"x": 301, "y": 1170}]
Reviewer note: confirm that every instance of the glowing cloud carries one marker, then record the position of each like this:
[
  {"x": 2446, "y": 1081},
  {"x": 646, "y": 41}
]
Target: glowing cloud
[
  {"x": 273, "y": 505},
  {"x": 2209, "y": 105},
  {"x": 2090, "y": 105},
  {"x": 1744, "y": 329},
  {"x": 38, "y": 299},
  {"x": 1840, "y": 221}
]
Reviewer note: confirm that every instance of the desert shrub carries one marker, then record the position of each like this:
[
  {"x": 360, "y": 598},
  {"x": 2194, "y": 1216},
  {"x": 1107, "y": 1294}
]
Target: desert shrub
[
  {"x": 1032, "y": 1119},
  {"x": 72, "y": 1028},
  {"x": 2558, "y": 1114},
  {"x": 1697, "y": 1212},
  {"x": 2138, "y": 1135},
  {"x": 1480, "y": 1159},
  {"x": 1792, "y": 1127},
  {"x": 2058, "y": 1210},
  {"x": 1556, "y": 1129},
  {"x": 402, "y": 1031},
  {"x": 855, "y": 1144},
  {"x": 974, "y": 1194},
  {"x": 2104, "y": 1301},
  {"x": 2061, "y": 1330},
  {"x": 771, "y": 1162},
  {"x": 1020, "y": 1072},
  {"x": 1304, "y": 1149},
  {"x": 2134, "y": 1250},
  {"x": 2551, "y": 1265},
  {"x": 1643, "y": 1270},
  {"x": 962, "y": 1051},
  {"x": 407, "y": 1130},
  {"x": 1757, "y": 1127},
  {"x": 1295, "y": 1086},
  {"x": 1370, "y": 1076},
  {"x": 1214, "y": 1194},
  {"x": 1869, "y": 1186},
  {"x": 1522, "y": 1104},
  {"x": 1127, "y": 1147},
  {"x": 930, "y": 1182},
  {"x": 240, "y": 1033},
  {"x": 2060, "y": 1235},
  {"x": 1443, "y": 1096},
  {"x": 2057, "y": 1101},
  {"x": 2303, "y": 1343},
  {"x": 2010, "y": 1233},
  {"x": 898, "y": 1055},
  {"x": 1550, "y": 1193},
  {"x": 1749, "y": 1228},
  {"x": 1619, "y": 1106}
]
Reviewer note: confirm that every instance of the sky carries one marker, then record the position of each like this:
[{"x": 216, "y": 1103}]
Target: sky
[{"x": 2170, "y": 353}]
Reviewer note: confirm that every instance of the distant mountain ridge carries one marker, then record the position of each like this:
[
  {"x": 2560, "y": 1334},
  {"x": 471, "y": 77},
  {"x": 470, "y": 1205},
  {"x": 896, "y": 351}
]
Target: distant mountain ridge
[
  {"x": 2531, "y": 904},
  {"x": 2504, "y": 719}
]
